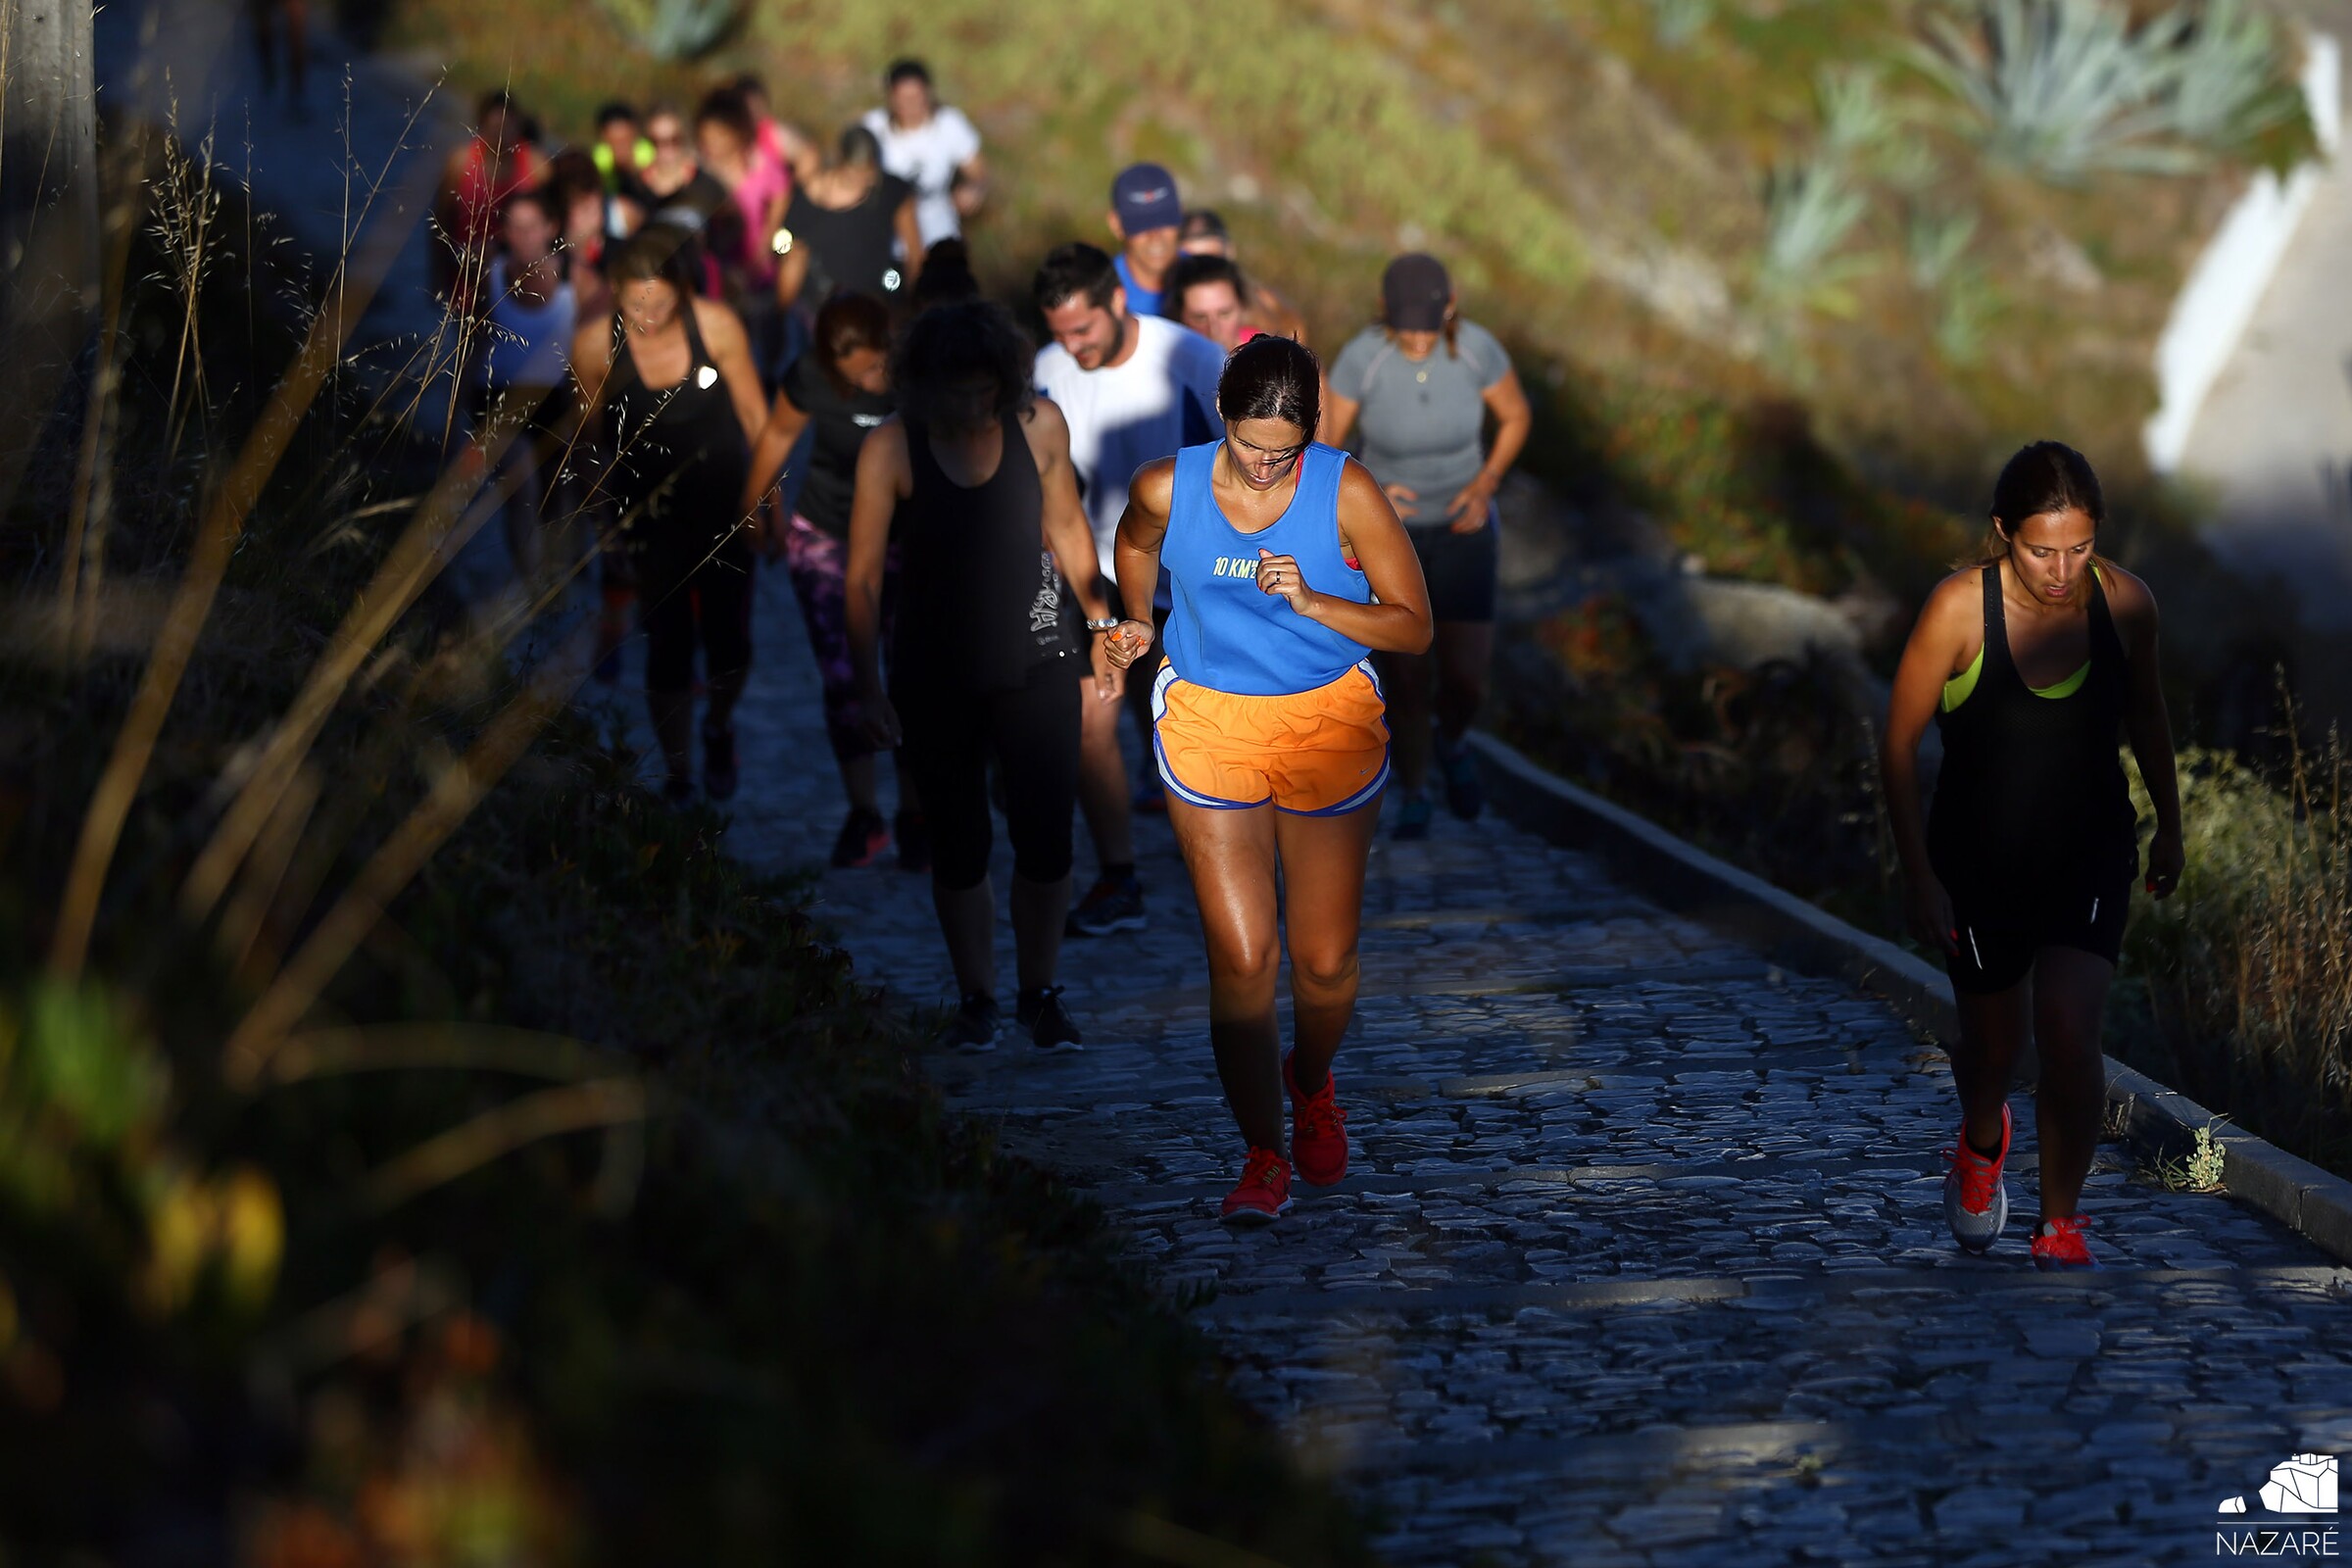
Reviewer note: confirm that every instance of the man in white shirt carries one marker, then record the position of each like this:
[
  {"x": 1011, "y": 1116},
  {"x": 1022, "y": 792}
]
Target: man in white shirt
[
  {"x": 932, "y": 147},
  {"x": 1133, "y": 390}
]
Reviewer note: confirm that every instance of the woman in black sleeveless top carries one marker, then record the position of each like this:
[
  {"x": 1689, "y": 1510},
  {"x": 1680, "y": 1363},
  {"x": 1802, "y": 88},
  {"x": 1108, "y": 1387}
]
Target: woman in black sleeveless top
[
  {"x": 972, "y": 482},
  {"x": 2035, "y": 664},
  {"x": 671, "y": 377}
]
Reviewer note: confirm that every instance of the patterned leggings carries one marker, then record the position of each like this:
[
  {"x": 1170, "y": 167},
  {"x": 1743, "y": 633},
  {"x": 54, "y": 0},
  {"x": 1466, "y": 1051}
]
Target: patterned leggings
[{"x": 818, "y": 564}]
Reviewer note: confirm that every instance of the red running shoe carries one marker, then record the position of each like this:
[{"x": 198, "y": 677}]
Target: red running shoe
[
  {"x": 1318, "y": 1130},
  {"x": 1265, "y": 1190},
  {"x": 2059, "y": 1243}
]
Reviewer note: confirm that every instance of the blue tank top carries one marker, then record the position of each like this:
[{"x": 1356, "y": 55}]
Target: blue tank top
[{"x": 1225, "y": 634}]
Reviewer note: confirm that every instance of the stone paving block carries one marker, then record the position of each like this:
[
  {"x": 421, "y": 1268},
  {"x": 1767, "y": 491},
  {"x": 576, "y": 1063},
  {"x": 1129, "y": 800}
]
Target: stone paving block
[{"x": 1760, "y": 1347}]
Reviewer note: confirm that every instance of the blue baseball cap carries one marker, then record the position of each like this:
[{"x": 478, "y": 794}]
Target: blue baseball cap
[{"x": 1145, "y": 198}]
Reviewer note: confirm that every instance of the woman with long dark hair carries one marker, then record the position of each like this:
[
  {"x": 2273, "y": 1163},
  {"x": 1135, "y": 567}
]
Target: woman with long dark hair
[
  {"x": 972, "y": 482},
  {"x": 840, "y": 390},
  {"x": 1289, "y": 567},
  {"x": 2031, "y": 663},
  {"x": 669, "y": 376}
]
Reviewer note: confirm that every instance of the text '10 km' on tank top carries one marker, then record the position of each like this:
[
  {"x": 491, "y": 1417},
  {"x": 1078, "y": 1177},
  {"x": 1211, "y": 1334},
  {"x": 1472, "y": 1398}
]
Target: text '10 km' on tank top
[
  {"x": 979, "y": 600},
  {"x": 1227, "y": 634},
  {"x": 2031, "y": 806}
]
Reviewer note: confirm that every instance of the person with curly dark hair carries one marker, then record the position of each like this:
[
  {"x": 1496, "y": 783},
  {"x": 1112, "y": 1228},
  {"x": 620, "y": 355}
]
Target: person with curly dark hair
[{"x": 972, "y": 481}]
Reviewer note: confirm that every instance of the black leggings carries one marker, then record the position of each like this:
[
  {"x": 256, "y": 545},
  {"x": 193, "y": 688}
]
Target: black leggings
[
  {"x": 680, "y": 595},
  {"x": 1033, "y": 730}
]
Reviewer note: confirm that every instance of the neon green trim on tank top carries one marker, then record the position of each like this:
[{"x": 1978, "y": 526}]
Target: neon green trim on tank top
[{"x": 1956, "y": 690}]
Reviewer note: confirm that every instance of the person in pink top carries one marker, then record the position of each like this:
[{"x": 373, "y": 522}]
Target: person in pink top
[
  {"x": 777, "y": 141},
  {"x": 727, "y": 141}
]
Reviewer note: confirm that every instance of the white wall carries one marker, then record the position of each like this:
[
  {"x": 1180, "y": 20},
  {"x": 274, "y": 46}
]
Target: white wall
[{"x": 2227, "y": 283}]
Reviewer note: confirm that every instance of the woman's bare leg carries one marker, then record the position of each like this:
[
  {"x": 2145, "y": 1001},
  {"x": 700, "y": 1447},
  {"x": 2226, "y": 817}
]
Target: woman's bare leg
[{"x": 1231, "y": 857}]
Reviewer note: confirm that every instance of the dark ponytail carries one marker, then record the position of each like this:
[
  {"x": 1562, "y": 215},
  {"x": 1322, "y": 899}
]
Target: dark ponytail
[{"x": 1272, "y": 377}]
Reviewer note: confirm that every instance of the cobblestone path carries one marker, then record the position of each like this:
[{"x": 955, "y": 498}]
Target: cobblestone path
[{"x": 1642, "y": 1258}]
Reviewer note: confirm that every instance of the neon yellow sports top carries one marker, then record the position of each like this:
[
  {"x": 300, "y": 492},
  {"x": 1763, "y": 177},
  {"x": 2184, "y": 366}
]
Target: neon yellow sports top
[{"x": 1956, "y": 690}]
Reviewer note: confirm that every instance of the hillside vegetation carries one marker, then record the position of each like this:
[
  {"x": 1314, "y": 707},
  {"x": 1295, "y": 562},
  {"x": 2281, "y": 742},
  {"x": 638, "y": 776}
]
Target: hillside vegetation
[{"x": 1668, "y": 207}]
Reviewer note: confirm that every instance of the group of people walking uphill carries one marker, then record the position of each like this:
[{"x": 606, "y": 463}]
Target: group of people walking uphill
[{"x": 1000, "y": 548}]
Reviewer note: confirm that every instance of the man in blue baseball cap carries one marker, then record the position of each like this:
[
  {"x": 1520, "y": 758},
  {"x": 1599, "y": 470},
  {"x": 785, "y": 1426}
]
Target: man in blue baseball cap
[{"x": 1144, "y": 218}]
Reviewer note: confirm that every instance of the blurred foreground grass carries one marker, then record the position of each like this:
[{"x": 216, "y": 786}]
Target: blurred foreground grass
[{"x": 592, "y": 1211}]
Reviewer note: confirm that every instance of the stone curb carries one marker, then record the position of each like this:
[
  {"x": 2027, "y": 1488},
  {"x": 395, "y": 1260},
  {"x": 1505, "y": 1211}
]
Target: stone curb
[{"x": 1793, "y": 933}]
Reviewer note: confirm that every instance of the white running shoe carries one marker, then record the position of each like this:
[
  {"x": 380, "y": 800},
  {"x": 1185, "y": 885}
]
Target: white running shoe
[{"x": 1975, "y": 1203}]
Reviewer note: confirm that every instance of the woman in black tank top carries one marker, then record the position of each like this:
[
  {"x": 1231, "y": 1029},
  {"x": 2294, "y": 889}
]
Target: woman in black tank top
[
  {"x": 677, "y": 450},
  {"x": 2035, "y": 664},
  {"x": 974, "y": 484}
]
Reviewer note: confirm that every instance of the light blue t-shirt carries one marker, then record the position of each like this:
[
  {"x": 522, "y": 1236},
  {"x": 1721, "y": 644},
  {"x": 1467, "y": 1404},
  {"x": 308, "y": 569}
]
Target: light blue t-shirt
[{"x": 1141, "y": 301}]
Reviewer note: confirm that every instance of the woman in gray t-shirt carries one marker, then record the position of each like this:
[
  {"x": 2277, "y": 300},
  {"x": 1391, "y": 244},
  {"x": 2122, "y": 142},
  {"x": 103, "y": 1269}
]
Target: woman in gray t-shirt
[{"x": 1420, "y": 385}]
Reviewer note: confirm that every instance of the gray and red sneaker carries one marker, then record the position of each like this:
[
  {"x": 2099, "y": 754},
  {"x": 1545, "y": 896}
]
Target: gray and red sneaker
[
  {"x": 1975, "y": 1204},
  {"x": 2059, "y": 1243}
]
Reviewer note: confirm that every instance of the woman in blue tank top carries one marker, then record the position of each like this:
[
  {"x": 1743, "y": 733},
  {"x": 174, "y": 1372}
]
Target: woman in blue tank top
[{"x": 1289, "y": 569}]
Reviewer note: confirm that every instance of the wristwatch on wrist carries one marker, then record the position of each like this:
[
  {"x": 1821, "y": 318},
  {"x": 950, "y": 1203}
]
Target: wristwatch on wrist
[{"x": 1107, "y": 623}]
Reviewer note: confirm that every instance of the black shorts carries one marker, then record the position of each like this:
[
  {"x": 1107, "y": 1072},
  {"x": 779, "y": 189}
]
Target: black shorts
[
  {"x": 1461, "y": 569},
  {"x": 1993, "y": 958},
  {"x": 690, "y": 594}
]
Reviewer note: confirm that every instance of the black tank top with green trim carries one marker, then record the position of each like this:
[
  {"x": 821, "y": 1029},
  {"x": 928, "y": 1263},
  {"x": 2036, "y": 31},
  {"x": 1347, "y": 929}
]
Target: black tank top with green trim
[{"x": 2030, "y": 806}]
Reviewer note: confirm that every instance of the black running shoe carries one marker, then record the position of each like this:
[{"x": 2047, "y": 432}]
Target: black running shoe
[
  {"x": 1050, "y": 1024},
  {"x": 861, "y": 840},
  {"x": 972, "y": 1026},
  {"x": 1106, "y": 908},
  {"x": 719, "y": 763},
  {"x": 915, "y": 841}
]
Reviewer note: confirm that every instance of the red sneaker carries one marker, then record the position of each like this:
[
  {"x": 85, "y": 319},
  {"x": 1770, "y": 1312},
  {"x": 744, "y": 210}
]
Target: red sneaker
[
  {"x": 2059, "y": 1243},
  {"x": 1265, "y": 1190},
  {"x": 1318, "y": 1130}
]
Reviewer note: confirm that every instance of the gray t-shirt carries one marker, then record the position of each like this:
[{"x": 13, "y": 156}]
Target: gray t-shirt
[{"x": 1421, "y": 420}]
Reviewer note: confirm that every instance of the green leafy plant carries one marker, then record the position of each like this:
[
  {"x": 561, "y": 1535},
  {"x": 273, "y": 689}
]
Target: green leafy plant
[
  {"x": 2063, "y": 88},
  {"x": 2231, "y": 83},
  {"x": 676, "y": 29},
  {"x": 1677, "y": 21},
  {"x": 1935, "y": 243},
  {"x": 1811, "y": 209}
]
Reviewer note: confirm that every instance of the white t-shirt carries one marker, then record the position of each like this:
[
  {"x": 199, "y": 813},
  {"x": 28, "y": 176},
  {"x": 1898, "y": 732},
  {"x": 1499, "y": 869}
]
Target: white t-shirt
[
  {"x": 1163, "y": 398},
  {"x": 927, "y": 157}
]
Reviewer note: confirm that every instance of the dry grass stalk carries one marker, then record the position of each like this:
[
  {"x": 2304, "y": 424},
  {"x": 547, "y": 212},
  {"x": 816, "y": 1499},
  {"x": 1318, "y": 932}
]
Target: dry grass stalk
[
  {"x": 223, "y": 521},
  {"x": 452, "y": 796}
]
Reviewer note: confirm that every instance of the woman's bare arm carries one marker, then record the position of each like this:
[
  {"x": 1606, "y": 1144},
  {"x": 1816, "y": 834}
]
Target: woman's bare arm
[
  {"x": 1946, "y": 625},
  {"x": 1068, "y": 534},
  {"x": 911, "y": 240},
  {"x": 731, "y": 351},
  {"x": 785, "y": 422},
  {"x": 1399, "y": 619},
  {"x": 1143, "y": 526},
  {"x": 2148, "y": 725},
  {"x": 884, "y": 478},
  {"x": 791, "y": 273}
]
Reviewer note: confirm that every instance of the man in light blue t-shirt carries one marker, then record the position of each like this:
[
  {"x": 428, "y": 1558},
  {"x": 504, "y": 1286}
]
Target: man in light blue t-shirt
[{"x": 1144, "y": 215}]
